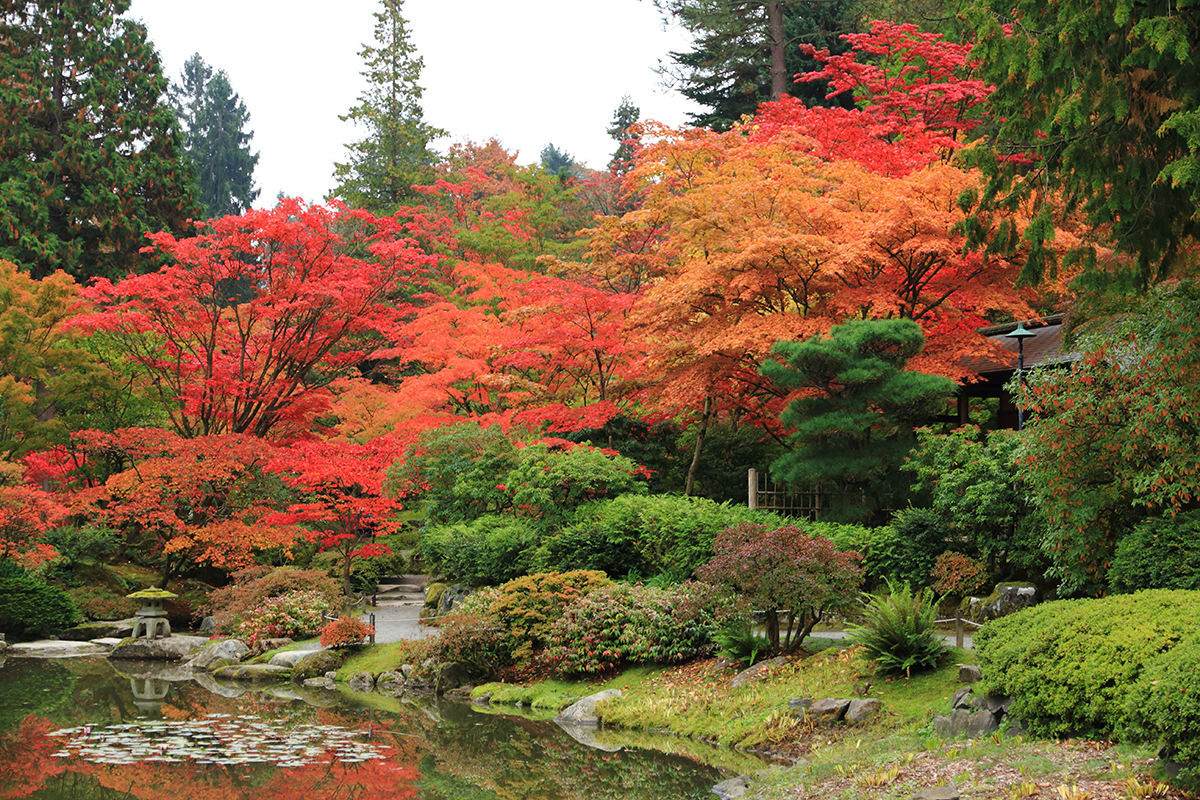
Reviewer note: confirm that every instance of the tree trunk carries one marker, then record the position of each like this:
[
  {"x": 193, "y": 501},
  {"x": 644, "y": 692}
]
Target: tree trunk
[
  {"x": 695, "y": 467},
  {"x": 779, "y": 76}
]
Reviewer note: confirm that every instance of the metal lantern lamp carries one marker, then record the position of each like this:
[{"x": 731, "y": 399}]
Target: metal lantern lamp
[{"x": 1020, "y": 334}]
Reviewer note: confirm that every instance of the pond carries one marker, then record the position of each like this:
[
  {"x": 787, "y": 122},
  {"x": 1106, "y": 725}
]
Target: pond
[{"x": 79, "y": 728}]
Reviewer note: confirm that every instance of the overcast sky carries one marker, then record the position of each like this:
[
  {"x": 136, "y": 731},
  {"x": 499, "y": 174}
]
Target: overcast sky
[{"x": 528, "y": 72}]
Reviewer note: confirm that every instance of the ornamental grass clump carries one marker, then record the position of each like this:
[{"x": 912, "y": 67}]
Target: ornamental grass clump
[{"x": 898, "y": 632}]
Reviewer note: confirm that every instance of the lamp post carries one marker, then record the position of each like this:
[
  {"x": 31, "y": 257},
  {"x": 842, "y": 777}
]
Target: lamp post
[{"x": 1020, "y": 334}]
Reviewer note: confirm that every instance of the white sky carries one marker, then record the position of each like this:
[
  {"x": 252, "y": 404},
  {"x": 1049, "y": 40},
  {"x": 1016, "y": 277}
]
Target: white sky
[{"x": 528, "y": 72}]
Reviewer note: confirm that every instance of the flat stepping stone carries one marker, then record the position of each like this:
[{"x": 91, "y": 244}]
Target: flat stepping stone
[{"x": 56, "y": 648}]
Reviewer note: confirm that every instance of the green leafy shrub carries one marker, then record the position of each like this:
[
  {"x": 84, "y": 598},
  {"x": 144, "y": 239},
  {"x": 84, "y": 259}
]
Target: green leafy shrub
[
  {"x": 456, "y": 472},
  {"x": 898, "y": 632},
  {"x": 238, "y": 608},
  {"x": 906, "y": 550},
  {"x": 86, "y": 542},
  {"x": 1163, "y": 708},
  {"x": 345, "y": 632},
  {"x": 957, "y": 574},
  {"x": 784, "y": 569},
  {"x": 549, "y": 484},
  {"x": 637, "y": 536},
  {"x": 488, "y": 551},
  {"x": 1160, "y": 553},
  {"x": 29, "y": 608},
  {"x": 100, "y": 602},
  {"x": 634, "y": 624},
  {"x": 1069, "y": 665},
  {"x": 367, "y": 572}
]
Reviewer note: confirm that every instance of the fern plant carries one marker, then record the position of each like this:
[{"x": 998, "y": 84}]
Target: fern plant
[
  {"x": 898, "y": 631},
  {"x": 737, "y": 641}
]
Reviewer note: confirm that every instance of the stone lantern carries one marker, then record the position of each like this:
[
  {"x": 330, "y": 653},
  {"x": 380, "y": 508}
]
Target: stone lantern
[{"x": 151, "y": 620}]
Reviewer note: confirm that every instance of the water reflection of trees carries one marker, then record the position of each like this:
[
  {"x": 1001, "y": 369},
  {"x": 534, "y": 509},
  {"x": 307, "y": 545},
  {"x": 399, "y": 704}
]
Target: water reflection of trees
[{"x": 434, "y": 752}]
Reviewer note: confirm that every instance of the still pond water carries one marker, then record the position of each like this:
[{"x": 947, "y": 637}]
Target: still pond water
[{"x": 77, "y": 728}]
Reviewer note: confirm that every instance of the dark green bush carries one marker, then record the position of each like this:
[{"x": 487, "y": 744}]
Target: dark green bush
[
  {"x": 486, "y": 552},
  {"x": 898, "y": 632},
  {"x": 1160, "y": 553},
  {"x": 30, "y": 609},
  {"x": 1069, "y": 665},
  {"x": 643, "y": 536},
  {"x": 906, "y": 550},
  {"x": 1163, "y": 708}
]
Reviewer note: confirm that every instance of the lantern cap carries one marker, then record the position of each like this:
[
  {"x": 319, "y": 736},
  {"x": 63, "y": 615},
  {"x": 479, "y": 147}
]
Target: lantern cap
[
  {"x": 1021, "y": 332},
  {"x": 153, "y": 593}
]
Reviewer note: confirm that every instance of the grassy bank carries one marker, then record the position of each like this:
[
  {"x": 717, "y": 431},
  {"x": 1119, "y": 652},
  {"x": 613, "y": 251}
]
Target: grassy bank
[{"x": 893, "y": 757}]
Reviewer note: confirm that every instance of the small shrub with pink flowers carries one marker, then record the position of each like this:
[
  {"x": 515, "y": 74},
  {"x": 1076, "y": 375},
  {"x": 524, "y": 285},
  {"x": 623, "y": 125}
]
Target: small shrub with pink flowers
[
  {"x": 238, "y": 606},
  {"x": 623, "y": 624},
  {"x": 297, "y": 614},
  {"x": 345, "y": 632}
]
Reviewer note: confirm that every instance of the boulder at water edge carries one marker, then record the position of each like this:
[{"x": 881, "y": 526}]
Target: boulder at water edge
[
  {"x": 584, "y": 711},
  {"x": 315, "y": 664},
  {"x": 224, "y": 652},
  {"x": 172, "y": 648},
  {"x": 253, "y": 673}
]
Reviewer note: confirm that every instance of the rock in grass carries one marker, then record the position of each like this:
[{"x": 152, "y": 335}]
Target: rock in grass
[
  {"x": 938, "y": 793},
  {"x": 361, "y": 682},
  {"x": 828, "y": 709},
  {"x": 761, "y": 669},
  {"x": 969, "y": 673},
  {"x": 583, "y": 712},
  {"x": 732, "y": 788},
  {"x": 862, "y": 709}
]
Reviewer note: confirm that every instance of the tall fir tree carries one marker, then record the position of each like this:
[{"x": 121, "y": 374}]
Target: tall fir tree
[
  {"x": 90, "y": 152},
  {"x": 626, "y": 116},
  {"x": 395, "y": 155},
  {"x": 746, "y": 52},
  {"x": 214, "y": 121}
]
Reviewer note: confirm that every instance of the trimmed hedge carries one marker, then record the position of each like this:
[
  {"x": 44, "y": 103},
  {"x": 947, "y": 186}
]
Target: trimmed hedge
[
  {"x": 1070, "y": 665},
  {"x": 1164, "y": 708},
  {"x": 30, "y": 609}
]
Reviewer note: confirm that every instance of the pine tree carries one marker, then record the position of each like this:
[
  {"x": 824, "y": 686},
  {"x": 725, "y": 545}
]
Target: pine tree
[
  {"x": 626, "y": 115},
  {"x": 557, "y": 162},
  {"x": 394, "y": 156},
  {"x": 214, "y": 122},
  {"x": 746, "y": 52},
  {"x": 90, "y": 152},
  {"x": 854, "y": 417}
]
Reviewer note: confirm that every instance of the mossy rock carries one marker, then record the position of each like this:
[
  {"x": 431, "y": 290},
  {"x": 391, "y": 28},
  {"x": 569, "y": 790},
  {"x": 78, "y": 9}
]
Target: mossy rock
[
  {"x": 316, "y": 664},
  {"x": 433, "y": 594},
  {"x": 253, "y": 673}
]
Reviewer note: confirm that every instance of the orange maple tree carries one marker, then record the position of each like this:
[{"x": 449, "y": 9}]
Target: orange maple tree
[{"x": 200, "y": 500}]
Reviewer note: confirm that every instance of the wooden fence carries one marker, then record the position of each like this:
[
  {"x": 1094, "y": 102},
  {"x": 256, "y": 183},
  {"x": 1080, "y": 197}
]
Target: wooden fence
[{"x": 802, "y": 503}]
